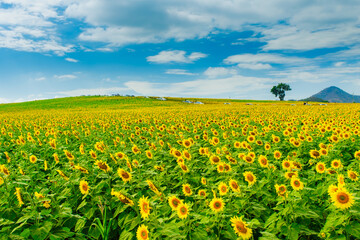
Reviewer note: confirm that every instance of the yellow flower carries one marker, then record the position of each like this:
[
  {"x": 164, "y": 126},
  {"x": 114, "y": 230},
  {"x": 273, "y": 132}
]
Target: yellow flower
[
  {"x": 124, "y": 199},
  {"x": 142, "y": 233},
  {"x": 217, "y": 204},
  {"x": 249, "y": 177},
  {"x": 202, "y": 193},
  {"x": 182, "y": 210},
  {"x": 341, "y": 180},
  {"x": 187, "y": 190},
  {"x": 263, "y": 161},
  {"x": 18, "y": 196},
  {"x": 102, "y": 165},
  {"x": 4, "y": 169},
  {"x": 69, "y": 155},
  {"x": 144, "y": 207},
  {"x": 320, "y": 167},
  {"x": 277, "y": 154},
  {"x": 93, "y": 154},
  {"x": 84, "y": 187},
  {"x": 281, "y": 190},
  {"x": 241, "y": 228},
  {"x": 296, "y": 184},
  {"x": 336, "y": 164},
  {"x": 33, "y": 159},
  {"x": 352, "y": 175},
  {"x": 63, "y": 175},
  {"x": 315, "y": 154},
  {"x": 125, "y": 176},
  {"x": 203, "y": 181},
  {"x": 214, "y": 159},
  {"x": 342, "y": 198},
  {"x": 153, "y": 187},
  {"x": 174, "y": 202},
  {"x": 223, "y": 189},
  {"x": 234, "y": 186}
]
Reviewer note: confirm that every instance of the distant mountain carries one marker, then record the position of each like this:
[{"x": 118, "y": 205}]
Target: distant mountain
[{"x": 333, "y": 94}]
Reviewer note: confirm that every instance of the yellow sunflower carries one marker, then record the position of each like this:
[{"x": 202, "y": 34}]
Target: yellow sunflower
[
  {"x": 33, "y": 159},
  {"x": 214, "y": 159},
  {"x": 186, "y": 155},
  {"x": 183, "y": 210},
  {"x": 352, "y": 175},
  {"x": 241, "y": 228},
  {"x": 320, "y": 167},
  {"x": 203, "y": 181},
  {"x": 184, "y": 168},
  {"x": 315, "y": 154},
  {"x": 149, "y": 154},
  {"x": 144, "y": 207},
  {"x": 18, "y": 196},
  {"x": 142, "y": 233},
  {"x": 277, "y": 154},
  {"x": 234, "y": 185},
  {"x": 341, "y": 180},
  {"x": 357, "y": 154},
  {"x": 84, "y": 187},
  {"x": 220, "y": 167},
  {"x": 217, "y": 204},
  {"x": 286, "y": 164},
  {"x": 249, "y": 177},
  {"x": 281, "y": 190},
  {"x": 336, "y": 164},
  {"x": 4, "y": 169},
  {"x": 263, "y": 161},
  {"x": 125, "y": 176},
  {"x": 223, "y": 189},
  {"x": 187, "y": 190},
  {"x": 296, "y": 184},
  {"x": 202, "y": 193},
  {"x": 93, "y": 154},
  {"x": 342, "y": 198},
  {"x": 289, "y": 175},
  {"x": 174, "y": 202},
  {"x": 102, "y": 165}
]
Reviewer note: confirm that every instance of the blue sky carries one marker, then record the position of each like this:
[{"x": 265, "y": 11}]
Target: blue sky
[{"x": 199, "y": 48}]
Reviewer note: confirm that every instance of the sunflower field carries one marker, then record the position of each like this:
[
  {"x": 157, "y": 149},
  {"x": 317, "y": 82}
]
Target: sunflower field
[{"x": 181, "y": 171}]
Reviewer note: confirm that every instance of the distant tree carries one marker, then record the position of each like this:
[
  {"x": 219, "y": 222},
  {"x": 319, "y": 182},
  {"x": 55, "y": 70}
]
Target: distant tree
[{"x": 280, "y": 89}]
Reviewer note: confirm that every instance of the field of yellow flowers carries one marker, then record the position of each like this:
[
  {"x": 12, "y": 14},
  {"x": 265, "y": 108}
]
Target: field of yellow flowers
[{"x": 180, "y": 171}]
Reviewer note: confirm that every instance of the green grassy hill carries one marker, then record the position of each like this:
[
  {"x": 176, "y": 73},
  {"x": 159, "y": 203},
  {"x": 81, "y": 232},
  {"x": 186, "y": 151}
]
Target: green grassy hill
[{"x": 113, "y": 102}]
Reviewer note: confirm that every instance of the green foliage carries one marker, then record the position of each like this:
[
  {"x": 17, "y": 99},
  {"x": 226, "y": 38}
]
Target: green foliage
[{"x": 279, "y": 90}]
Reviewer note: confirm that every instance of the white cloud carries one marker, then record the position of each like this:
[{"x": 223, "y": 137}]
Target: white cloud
[
  {"x": 40, "y": 79},
  {"x": 66, "y": 76},
  {"x": 178, "y": 72},
  {"x": 105, "y": 49},
  {"x": 95, "y": 91},
  {"x": 175, "y": 56},
  {"x": 254, "y": 66},
  {"x": 71, "y": 60},
  {"x": 222, "y": 87},
  {"x": 214, "y": 72},
  {"x": 339, "y": 64},
  {"x": 262, "y": 58},
  {"x": 294, "y": 38},
  {"x": 17, "y": 38},
  {"x": 314, "y": 74}
]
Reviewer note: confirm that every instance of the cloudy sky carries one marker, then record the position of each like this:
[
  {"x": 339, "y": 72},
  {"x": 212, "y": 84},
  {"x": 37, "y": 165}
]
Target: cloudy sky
[{"x": 188, "y": 48}]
